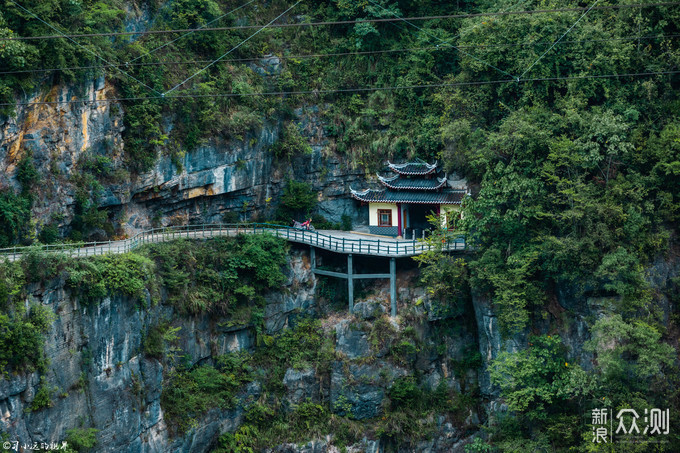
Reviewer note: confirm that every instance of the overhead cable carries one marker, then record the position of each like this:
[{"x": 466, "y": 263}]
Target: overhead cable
[
  {"x": 349, "y": 90},
  {"x": 231, "y": 50},
  {"x": 84, "y": 48},
  {"x": 342, "y": 22},
  {"x": 188, "y": 33}
]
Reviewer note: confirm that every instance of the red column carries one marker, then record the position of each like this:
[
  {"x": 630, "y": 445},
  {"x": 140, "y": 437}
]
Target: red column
[{"x": 399, "y": 219}]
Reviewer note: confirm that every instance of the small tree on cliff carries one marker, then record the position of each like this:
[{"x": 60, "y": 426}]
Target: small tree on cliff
[{"x": 297, "y": 201}]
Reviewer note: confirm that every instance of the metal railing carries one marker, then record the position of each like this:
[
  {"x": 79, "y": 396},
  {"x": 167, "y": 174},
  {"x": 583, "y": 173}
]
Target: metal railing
[{"x": 339, "y": 243}]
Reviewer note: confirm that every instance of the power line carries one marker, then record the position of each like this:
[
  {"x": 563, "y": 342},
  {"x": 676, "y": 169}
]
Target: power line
[
  {"x": 188, "y": 33},
  {"x": 348, "y": 90},
  {"x": 83, "y": 47},
  {"x": 338, "y": 54},
  {"x": 231, "y": 50},
  {"x": 343, "y": 22},
  {"x": 444, "y": 41},
  {"x": 559, "y": 39}
]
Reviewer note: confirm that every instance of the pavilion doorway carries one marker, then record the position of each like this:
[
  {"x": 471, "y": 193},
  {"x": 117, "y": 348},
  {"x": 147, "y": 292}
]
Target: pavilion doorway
[{"x": 416, "y": 219}]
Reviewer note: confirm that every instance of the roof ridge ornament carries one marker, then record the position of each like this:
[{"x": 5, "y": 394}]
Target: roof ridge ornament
[
  {"x": 413, "y": 168},
  {"x": 384, "y": 179}
]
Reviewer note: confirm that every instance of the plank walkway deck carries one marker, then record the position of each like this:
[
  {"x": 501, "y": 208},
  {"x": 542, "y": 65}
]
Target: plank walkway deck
[{"x": 336, "y": 241}]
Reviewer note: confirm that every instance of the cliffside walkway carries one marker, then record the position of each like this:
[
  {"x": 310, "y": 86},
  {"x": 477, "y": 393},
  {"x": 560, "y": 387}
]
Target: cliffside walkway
[
  {"x": 348, "y": 243},
  {"x": 335, "y": 241}
]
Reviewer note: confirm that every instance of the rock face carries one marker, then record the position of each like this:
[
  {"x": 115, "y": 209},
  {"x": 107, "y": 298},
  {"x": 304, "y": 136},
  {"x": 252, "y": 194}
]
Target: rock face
[
  {"x": 57, "y": 136},
  {"x": 238, "y": 176},
  {"x": 100, "y": 377},
  {"x": 301, "y": 385}
]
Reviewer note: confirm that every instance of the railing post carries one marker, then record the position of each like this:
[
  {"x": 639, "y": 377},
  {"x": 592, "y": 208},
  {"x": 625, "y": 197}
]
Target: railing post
[
  {"x": 393, "y": 286},
  {"x": 350, "y": 283}
]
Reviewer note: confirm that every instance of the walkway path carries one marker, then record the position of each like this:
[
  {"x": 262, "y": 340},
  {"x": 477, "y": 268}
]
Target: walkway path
[{"x": 336, "y": 241}]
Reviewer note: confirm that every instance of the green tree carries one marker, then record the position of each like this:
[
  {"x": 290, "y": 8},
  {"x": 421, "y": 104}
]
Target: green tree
[{"x": 297, "y": 201}]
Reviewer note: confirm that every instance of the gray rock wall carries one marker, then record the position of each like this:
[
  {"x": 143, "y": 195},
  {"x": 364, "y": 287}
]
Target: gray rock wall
[
  {"x": 222, "y": 175},
  {"x": 100, "y": 377}
]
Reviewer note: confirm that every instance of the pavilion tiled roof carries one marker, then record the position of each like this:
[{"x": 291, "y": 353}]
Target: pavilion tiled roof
[
  {"x": 397, "y": 183},
  {"x": 391, "y": 196},
  {"x": 413, "y": 168}
]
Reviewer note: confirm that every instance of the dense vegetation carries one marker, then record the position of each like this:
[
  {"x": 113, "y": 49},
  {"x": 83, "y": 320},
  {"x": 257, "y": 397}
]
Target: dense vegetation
[
  {"x": 576, "y": 178},
  {"x": 224, "y": 276}
]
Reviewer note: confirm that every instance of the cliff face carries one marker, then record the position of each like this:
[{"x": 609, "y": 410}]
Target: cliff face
[
  {"x": 99, "y": 375},
  {"x": 242, "y": 176}
]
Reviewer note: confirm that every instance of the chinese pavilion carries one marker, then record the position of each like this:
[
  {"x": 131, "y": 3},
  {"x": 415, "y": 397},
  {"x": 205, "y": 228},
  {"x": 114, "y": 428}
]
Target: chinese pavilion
[{"x": 401, "y": 206}]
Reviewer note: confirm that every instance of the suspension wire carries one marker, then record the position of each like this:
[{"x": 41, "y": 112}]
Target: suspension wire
[
  {"x": 342, "y": 22},
  {"x": 349, "y": 90},
  {"x": 444, "y": 41},
  {"x": 231, "y": 50},
  {"x": 559, "y": 39},
  {"x": 84, "y": 48},
  {"x": 188, "y": 33},
  {"x": 338, "y": 54}
]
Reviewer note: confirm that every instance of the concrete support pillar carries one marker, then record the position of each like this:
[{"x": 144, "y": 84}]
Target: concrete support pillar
[
  {"x": 312, "y": 256},
  {"x": 350, "y": 283},
  {"x": 393, "y": 285}
]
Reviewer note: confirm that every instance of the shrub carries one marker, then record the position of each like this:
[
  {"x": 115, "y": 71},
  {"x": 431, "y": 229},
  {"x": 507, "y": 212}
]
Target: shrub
[
  {"x": 15, "y": 216},
  {"x": 157, "y": 339},
  {"x": 404, "y": 393},
  {"x": 189, "y": 394},
  {"x": 535, "y": 380},
  {"x": 21, "y": 338},
  {"x": 309, "y": 419},
  {"x": 291, "y": 143},
  {"x": 27, "y": 174},
  {"x": 40, "y": 266},
  {"x": 97, "y": 165},
  {"x": 42, "y": 398},
  {"x": 222, "y": 275},
  {"x": 346, "y": 222},
  {"x": 127, "y": 274},
  {"x": 49, "y": 234},
  {"x": 297, "y": 201},
  {"x": 81, "y": 439},
  {"x": 12, "y": 281}
]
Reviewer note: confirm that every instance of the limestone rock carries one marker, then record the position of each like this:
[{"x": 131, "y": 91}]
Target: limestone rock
[
  {"x": 351, "y": 340},
  {"x": 301, "y": 385},
  {"x": 369, "y": 310}
]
